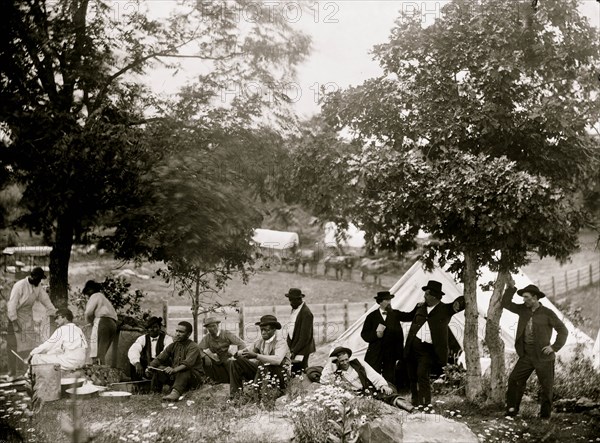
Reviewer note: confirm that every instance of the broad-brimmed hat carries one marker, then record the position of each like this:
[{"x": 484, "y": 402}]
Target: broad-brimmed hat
[
  {"x": 435, "y": 287},
  {"x": 294, "y": 293},
  {"x": 267, "y": 320},
  {"x": 532, "y": 289},
  {"x": 210, "y": 320},
  {"x": 383, "y": 295},
  {"x": 38, "y": 272},
  {"x": 341, "y": 350},
  {"x": 153, "y": 321}
]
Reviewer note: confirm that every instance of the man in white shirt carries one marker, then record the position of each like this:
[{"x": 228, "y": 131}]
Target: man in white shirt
[
  {"x": 66, "y": 347},
  {"x": 360, "y": 377},
  {"x": 427, "y": 340},
  {"x": 268, "y": 358},
  {"x": 147, "y": 347},
  {"x": 21, "y": 336}
]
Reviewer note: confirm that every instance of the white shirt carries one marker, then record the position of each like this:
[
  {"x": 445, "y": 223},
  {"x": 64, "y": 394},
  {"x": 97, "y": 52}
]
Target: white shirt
[
  {"x": 425, "y": 333},
  {"x": 292, "y": 322},
  {"x": 383, "y": 314},
  {"x": 67, "y": 338},
  {"x": 350, "y": 376},
  {"x": 135, "y": 351}
]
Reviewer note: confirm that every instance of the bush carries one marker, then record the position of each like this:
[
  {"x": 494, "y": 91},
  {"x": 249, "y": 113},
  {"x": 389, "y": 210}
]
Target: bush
[
  {"x": 331, "y": 413},
  {"x": 126, "y": 303}
]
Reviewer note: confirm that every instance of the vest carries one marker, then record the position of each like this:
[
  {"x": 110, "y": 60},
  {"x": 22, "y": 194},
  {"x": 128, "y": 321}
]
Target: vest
[
  {"x": 362, "y": 375},
  {"x": 145, "y": 356}
]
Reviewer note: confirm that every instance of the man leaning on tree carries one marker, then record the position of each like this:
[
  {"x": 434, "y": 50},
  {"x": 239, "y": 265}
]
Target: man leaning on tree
[{"x": 532, "y": 343}]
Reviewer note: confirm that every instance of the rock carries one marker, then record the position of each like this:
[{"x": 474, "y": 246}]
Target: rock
[
  {"x": 432, "y": 428},
  {"x": 385, "y": 429},
  {"x": 266, "y": 426}
]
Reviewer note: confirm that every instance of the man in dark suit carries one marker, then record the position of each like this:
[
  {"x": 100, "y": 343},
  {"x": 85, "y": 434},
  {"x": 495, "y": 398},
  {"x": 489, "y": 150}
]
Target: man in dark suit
[
  {"x": 532, "y": 343},
  {"x": 300, "y": 338},
  {"x": 427, "y": 341},
  {"x": 383, "y": 332}
]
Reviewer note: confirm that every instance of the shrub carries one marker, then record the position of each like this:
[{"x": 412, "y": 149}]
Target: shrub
[
  {"x": 331, "y": 413},
  {"x": 126, "y": 303}
]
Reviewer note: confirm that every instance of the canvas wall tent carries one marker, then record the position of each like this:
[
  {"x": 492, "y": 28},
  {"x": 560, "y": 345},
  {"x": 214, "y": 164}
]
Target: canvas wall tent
[
  {"x": 408, "y": 293},
  {"x": 596, "y": 351}
]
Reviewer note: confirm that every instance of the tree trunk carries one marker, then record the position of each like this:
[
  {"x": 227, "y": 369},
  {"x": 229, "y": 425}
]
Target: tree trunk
[
  {"x": 471, "y": 339},
  {"x": 196, "y": 306},
  {"x": 494, "y": 341},
  {"x": 59, "y": 261}
]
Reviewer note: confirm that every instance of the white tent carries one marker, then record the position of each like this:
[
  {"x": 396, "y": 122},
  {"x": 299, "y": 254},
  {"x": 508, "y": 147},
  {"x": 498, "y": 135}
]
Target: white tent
[
  {"x": 408, "y": 293},
  {"x": 355, "y": 238},
  {"x": 279, "y": 240}
]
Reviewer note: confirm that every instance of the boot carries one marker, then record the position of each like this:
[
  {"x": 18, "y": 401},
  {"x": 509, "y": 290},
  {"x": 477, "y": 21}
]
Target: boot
[{"x": 173, "y": 396}]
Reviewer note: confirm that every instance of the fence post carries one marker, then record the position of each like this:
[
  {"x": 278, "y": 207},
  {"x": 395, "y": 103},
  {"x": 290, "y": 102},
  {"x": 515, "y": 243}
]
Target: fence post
[
  {"x": 241, "y": 325},
  {"x": 578, "y": 279},
  {"x": 553, "y": 288},
  {"x": 325, "y": 323},
  {"x": 366, "y": 307},
  {"x": 165, "y": 312},
  {"x": 566, "y": 284},
  {"x": 346, "y": 315},
  {"x": 591, "y": 275}
]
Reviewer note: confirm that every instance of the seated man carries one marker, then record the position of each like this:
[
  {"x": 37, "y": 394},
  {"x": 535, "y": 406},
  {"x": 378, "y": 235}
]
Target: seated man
[
  {"x": 268, "y": 358},
  {"x": 147, "y": 347},
  {"x": 215, "y": 350},
  {"x": 179, "y": 365},
  {"x": 361, "y": 378},
  {"x": 65, "y": 347}
]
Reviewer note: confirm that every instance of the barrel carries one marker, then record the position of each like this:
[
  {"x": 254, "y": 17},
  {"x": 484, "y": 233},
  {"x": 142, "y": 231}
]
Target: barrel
[{"x": 47, "y": 381}]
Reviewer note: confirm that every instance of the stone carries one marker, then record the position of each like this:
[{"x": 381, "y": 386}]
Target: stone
[
  {"x": 214, "y": 393},
  {"x": 265, "y": 427},
  {"x": 433, "y": 428}
]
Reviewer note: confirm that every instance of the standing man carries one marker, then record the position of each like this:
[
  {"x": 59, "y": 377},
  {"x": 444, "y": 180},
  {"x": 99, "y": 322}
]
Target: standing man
[
  {"x": 267, "y": 359},
  {"x": 21, "y": 337},
  {"x": 147, "y": 347},
  {"x": 215, "y": 350},
  {"x": 427, "y": 341},
  {"x": 179, "y": 365},
  {"x": 533, "y": 347},
  {"x": 300, "y": 338},
  {"x": 383, "y": 332}
]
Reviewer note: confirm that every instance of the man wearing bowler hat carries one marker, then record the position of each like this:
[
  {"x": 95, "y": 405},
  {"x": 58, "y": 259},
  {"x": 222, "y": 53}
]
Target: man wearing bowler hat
[
  {"x": 383, "y": 331},
  {"x": 217, "y": 348},
  {"x": 532, "y": 343},
  {"x": 427, "y": 341},
  {"x": 268, "y": 358},
  {"x": 300, "y": 338}
]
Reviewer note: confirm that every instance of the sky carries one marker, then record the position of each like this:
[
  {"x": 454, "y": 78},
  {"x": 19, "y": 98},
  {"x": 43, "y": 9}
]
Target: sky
[{"x": 343, "y": 33}]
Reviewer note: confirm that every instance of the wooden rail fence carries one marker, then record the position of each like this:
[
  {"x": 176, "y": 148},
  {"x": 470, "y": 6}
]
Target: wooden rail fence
[
  {"x": 330, "y": 320},
  {"x": 569, "y": 280}
]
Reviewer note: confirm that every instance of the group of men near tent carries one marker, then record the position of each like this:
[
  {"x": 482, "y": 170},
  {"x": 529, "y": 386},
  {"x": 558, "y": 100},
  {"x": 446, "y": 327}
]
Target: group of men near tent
[{"x": 177, "y": 364}]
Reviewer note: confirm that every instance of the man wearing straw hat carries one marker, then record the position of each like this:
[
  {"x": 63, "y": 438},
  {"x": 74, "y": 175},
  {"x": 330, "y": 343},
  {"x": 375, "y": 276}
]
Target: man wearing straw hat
[
  {"x": 217, "y": 347},
  {"x": 146, "y": 347},
  {"x": 532, "y": 343},
  {"x": 268, "y": 359}
]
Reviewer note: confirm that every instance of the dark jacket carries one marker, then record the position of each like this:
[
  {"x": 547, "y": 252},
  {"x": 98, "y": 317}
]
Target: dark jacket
[
  {"x": 303, "y": 342},
  {"x": 180, "y": 353},
  {"x": 390, "y": 347},
  {"x": 438, "y": 320},
  {"x": 544, "y": 321}
]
